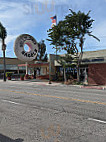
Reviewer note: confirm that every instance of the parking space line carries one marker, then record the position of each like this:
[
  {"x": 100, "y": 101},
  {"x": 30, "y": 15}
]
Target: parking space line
[
  {"x": 97, "y": 120},
  {"x": 11, "y": 102}
]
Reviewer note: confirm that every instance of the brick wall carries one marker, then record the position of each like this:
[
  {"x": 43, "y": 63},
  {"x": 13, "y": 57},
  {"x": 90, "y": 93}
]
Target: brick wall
[{"x": 97, "y": 74}]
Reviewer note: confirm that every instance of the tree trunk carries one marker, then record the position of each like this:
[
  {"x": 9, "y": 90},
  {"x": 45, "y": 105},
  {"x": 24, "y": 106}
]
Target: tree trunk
[
  {"x": 78, "y": 76},
  {"x": 78, "y": 66},
  {"x": 4, "y": 77},
  {"x": 80, "y": 59},
  {"x": 4, "y": 63},
  {"x": 65, "y": 79}
]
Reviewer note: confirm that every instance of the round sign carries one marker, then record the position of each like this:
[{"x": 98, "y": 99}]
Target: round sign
[{"x": 19, "y": 45}]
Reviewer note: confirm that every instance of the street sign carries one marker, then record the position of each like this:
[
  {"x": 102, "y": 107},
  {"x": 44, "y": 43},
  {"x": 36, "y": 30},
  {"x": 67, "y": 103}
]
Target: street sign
[{"x": 4, "y": 47}]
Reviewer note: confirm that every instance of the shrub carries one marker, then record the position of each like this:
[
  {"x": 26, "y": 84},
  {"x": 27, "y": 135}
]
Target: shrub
[
  {"x": 22, "y": 75},
  {"x": 26, "y": 76},
  {"x": 9, "y": 74}
]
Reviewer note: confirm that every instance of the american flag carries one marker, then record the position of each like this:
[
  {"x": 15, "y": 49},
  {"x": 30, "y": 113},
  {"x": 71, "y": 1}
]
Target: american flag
[{"x": 54, "y": 20}]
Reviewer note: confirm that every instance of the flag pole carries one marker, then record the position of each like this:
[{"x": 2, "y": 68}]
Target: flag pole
[
  {"x": 56, "y": 49},
  {"x": 56, "y": 52},
  {"x": 56, "y": 44}
]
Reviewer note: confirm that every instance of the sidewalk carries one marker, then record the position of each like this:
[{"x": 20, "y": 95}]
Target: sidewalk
[
  {"x": 32, "y": 82},
  {"x": 46, "y": 83}
]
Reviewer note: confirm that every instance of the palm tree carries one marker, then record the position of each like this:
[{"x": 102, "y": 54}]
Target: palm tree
[{"x": 3, "y": 35}]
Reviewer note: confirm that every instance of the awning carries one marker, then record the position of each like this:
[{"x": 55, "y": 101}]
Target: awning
[{"x": 34, "y": 65}]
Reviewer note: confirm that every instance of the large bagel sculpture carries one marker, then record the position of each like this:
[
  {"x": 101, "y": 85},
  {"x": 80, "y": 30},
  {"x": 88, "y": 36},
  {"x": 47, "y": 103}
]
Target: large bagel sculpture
[{"x": 19, "y": 47}]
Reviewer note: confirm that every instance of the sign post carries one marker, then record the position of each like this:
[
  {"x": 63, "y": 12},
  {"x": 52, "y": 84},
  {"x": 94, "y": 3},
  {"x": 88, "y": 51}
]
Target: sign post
[
  {"x": 26, "y": 67},
  {"x": 4, "y": 62}
]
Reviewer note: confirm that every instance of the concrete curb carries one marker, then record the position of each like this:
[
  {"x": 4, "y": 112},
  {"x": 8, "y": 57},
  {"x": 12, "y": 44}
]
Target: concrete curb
[{"x": 93, "y": 87}]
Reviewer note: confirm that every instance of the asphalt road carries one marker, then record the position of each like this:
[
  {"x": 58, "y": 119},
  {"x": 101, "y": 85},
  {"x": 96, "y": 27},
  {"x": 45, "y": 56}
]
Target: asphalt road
[{"x": 47, "y": 113}]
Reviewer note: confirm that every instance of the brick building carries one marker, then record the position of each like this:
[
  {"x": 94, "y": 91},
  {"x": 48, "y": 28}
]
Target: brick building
[
  {"x": 92, "y": 70},
  {"x": 94, "y": 66}
]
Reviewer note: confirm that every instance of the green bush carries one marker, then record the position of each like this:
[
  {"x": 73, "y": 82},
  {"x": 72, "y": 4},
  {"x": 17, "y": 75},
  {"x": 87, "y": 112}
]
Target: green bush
[
  {"x": 22, "y": 75},
  {"x": 9, "y": 74}
]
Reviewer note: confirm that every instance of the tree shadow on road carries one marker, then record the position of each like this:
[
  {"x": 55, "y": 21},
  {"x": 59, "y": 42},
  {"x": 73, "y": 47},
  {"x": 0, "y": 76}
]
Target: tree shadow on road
[{"x": 7, "y": 139}]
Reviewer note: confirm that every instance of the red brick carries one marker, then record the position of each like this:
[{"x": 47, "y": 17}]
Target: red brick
[{"x": 97, "y": 74}]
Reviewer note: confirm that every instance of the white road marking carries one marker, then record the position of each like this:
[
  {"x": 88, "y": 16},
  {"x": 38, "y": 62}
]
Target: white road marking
[
  {"x": 12, "y": 86},
  {"x": 97, "y": 120},
  {"x": 11, "y": 102}
]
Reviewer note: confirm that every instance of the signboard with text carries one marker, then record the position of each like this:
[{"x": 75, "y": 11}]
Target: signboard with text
[{"x": 20, "y": 51}]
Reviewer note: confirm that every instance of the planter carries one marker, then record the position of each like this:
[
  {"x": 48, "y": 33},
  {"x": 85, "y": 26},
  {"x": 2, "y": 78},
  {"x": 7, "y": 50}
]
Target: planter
[
  {"x": 21, "y": 78},
  {"x": 9, "y": 78},
  {"x": 43, "y": 77},
  {"x": 26, "y": 77},
  {"x": 32, "y": 76},
  {"x": 9, "y": 74}
]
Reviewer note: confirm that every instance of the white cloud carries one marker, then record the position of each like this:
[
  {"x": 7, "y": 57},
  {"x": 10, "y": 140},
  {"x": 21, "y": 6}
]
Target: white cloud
[
  {"x": 99, "y": 31},
  {"x": 100, "y": 28},
  {"x": 13, "y": 18},
  {"x": 10, "y": 38},
  {"x": 22, "y": 16},
  {"x": 50, "y": 1}
]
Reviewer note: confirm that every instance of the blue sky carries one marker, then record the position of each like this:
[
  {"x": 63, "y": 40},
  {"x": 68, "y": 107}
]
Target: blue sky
[{"x": 33, "y": 17}]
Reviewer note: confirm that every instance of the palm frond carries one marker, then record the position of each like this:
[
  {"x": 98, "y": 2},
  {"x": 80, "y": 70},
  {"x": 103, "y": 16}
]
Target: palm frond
[
  {"x": 94, "y": 37},
  {"x": 3, "y": 32}
]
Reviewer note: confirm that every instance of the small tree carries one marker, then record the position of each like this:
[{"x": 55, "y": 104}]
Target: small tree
[
  {"x": 67, "y": 61},
  {"x": 42, "y": 55}
]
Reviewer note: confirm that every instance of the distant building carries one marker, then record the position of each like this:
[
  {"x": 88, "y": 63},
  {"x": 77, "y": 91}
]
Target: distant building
[
  {"x": 16, "y": 66},
  {"x": 11, "y": 65}
]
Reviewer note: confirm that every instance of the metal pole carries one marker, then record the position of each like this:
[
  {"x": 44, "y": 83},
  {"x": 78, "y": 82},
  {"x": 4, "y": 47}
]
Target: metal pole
[
  {"x": 4, "y": 62},
  {"x": 56, "y": 50},
  {"x": 49, "y": 77},
  {"x": 50, "y": 69},
  {"x": 56, "y": 61},
  {"x": 26, "y": 67},
  {"x": 4, "y": 77},
  {"x": 18, "y": 71}
]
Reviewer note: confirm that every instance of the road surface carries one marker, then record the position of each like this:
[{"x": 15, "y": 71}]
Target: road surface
[{"x": 32, "y": 112}]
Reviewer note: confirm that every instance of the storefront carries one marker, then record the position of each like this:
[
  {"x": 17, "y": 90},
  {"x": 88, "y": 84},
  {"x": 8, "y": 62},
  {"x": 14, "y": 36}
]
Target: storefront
[
  {"x": 92, "y": 69},
  {"x": 38, "y": 69}
]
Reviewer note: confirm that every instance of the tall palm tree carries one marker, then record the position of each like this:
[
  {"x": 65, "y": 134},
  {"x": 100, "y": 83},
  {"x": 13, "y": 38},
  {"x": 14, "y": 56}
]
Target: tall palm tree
[{"x": 3, "y": 35}]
